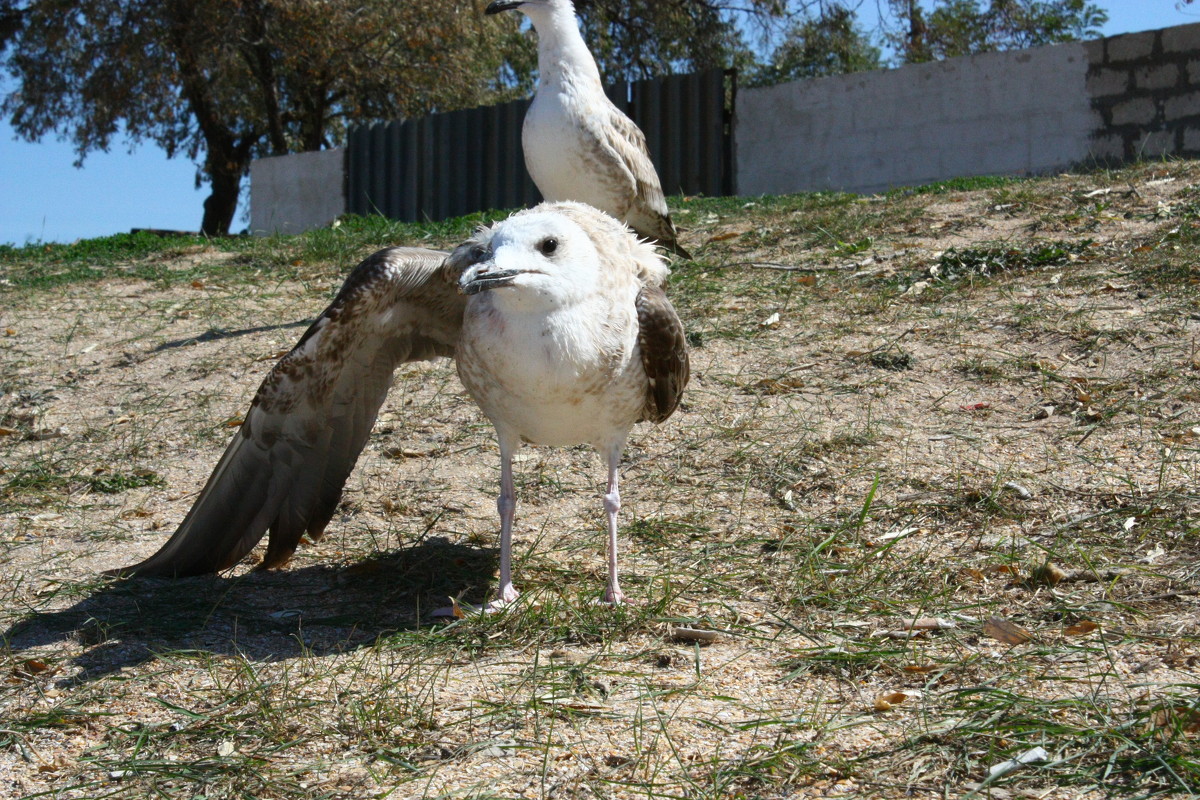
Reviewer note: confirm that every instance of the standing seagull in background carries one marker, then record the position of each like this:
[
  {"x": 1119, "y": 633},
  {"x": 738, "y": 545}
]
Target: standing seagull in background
[
  {"x": 562, "y": 334},
  {"x": 578, "y": 145}
]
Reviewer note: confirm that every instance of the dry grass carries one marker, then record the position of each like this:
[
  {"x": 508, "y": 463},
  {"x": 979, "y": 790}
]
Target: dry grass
[{"x": 972, "y": 401}]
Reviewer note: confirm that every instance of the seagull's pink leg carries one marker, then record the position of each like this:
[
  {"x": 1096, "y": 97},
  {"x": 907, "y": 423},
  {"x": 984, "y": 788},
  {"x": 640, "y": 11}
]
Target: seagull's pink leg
[
  {"x": 506, "y": 505},
  {"x": 612, "y": 504}
]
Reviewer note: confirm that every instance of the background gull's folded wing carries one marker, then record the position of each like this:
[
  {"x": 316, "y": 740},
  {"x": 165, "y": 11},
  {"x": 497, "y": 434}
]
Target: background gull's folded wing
[
  {"x": 647, "y": 213},
  {"x": 285, "y": 468}
]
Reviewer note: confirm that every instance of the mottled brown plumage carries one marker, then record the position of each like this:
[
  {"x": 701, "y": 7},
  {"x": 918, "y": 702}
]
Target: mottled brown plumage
[
  {"x": 285, "y": 468},
  {"x": 559, "y": 344}
]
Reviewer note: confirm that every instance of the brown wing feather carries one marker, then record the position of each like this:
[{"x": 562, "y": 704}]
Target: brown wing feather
[
  {"x": 664, "y": 353},
  {"x": 285, "y": 468},
  {"x": 648, "y": 213}
]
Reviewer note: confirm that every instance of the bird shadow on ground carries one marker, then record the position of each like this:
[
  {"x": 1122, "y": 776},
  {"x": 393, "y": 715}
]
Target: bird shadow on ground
[
  {"x": 217, "y": 334},
  {"x": 264, "y": 616}
]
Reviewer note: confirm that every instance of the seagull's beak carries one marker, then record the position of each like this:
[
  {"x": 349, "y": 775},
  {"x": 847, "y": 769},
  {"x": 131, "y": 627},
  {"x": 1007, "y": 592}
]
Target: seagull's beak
[
  {"x": 476, "y": 280},
  {"x": 483, "y": 275},
  {"x": 496, "y": 6}
]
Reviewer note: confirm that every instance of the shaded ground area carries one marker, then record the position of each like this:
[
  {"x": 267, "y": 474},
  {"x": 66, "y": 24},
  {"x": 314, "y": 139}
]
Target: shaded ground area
[{"x": 931, "y": 499}]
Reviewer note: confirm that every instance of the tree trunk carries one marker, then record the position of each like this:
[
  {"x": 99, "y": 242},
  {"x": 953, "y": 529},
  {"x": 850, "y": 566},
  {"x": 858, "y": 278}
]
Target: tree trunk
[
  {"x": 918, "y": 50},
  {"x": 261, "y": 62},
  {"x": 221, "y": 203},
  {"x": 226, "y": 158}
]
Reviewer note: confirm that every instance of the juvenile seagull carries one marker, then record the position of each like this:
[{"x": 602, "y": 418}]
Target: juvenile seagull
[
  {"x": 568, "y": 338},
  {"x": 562, "y": 334},
  {"x": 578, "y": 145}
]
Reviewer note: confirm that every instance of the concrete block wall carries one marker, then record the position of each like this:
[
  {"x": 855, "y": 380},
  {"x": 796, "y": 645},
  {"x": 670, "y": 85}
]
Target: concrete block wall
[
  {"x": 1021, "y": 112},
  {"x": 1146, "y": 89}
]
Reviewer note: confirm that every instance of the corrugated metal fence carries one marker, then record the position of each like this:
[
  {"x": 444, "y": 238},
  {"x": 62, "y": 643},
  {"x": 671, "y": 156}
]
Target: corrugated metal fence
[{"x": 446, "y": 165}]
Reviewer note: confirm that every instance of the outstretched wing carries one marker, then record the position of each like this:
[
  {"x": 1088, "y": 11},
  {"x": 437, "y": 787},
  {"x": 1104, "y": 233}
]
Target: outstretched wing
[
  {"x": 285, "y": 468},
  {"x": 664, "y": 353}
]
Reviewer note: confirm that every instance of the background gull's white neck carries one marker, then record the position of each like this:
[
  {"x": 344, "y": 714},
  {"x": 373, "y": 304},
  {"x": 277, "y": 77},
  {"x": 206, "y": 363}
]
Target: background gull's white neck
[{"x": 562, "y": 53}]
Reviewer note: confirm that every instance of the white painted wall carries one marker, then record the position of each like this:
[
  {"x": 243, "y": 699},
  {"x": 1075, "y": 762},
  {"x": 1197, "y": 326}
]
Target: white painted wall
[
  {"x": 295, "y": 193},
  {"x": 1011, "y": 113}
]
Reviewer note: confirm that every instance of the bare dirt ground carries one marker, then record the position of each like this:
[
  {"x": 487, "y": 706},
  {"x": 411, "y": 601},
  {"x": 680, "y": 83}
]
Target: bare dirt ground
[{"x": 931, "y": 501}]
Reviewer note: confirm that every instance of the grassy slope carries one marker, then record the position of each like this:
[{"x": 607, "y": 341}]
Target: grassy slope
[{"x": 972, "y": 400}]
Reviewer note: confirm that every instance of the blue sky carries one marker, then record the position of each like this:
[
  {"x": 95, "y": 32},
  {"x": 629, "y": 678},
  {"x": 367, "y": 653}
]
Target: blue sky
[{"x": 44, "y": 198}]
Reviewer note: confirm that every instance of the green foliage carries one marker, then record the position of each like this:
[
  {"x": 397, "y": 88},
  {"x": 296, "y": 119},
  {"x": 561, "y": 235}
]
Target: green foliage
[
  {"x": 42, "y": 482},
  {"x": 224, "y": 83},
  {"x": 830, "y": 43},
  {"x": 98, "y": 252},
  {"x": 117, "y": 482},
  {"x": 985, "y": 261},
  {"x": 38, "y": 482},
  {"x": 962, "y": 27},
  {"x": 633, "y": 39},
  {"x": 959, "y": 185}
]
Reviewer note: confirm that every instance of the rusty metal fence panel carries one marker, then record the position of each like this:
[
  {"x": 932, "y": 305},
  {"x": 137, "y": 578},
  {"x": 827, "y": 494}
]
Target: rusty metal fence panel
[{"x": 447, "y": 165}]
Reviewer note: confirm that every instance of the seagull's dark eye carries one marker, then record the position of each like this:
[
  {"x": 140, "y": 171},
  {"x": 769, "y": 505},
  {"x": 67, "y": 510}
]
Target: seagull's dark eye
[{"x": 547, "y": 246}]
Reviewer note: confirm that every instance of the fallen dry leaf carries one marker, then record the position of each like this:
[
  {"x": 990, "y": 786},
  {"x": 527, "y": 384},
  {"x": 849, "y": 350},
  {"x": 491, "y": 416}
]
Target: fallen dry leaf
[
  {"x": 904, "y": 634},
  {"x": 888, "y": 701},
  {"x": 1002, "y": 630},
  {"x": 778, "y": 385},
  {"x": 59, "y": 764},
  {"x": 578, "y": 706},
  {"x": 1166, "y": 721},
  {"x": 1081, "y": 628},
  {"x": 695, "y": 635},
  {"x": 931, "y": 624},
  {"x": 407, "y": 452},
  {"x": 29, "y": 668},
  {"x": 1049, "y": 573}
]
